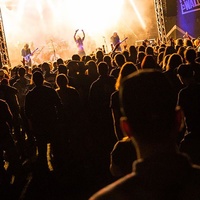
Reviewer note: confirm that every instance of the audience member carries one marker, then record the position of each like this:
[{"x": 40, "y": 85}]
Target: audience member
[
  {"x": 188, "y": 100},
  {"x": 42, "y": 108},
  {"x": 152, "y": 121},
  {"x": 190, "y": 55}
]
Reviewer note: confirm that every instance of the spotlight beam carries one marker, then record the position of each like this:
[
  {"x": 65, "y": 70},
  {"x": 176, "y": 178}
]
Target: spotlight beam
[{"x": 138, "y": 14}]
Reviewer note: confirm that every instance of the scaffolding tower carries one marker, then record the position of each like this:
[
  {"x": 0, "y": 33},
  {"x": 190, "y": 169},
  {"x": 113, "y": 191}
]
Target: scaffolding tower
[
  {"x": 162, "y": 36},
  {"x": 3, "y": 45}
]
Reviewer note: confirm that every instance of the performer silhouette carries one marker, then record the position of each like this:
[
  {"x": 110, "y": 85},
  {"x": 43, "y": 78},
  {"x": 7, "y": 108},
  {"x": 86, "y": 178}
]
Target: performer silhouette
[{"x": 79, "y": 42}]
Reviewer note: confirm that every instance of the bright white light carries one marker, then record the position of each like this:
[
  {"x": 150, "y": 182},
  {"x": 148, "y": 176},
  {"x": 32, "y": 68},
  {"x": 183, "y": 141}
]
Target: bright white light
[
  {"x": 39, "y": 8},
  {"x": 94, "y": 16},
  {"x": 41, "y": 21},
  {"x": 20, "y": 9},
  {"x": 138, "y": 14}
]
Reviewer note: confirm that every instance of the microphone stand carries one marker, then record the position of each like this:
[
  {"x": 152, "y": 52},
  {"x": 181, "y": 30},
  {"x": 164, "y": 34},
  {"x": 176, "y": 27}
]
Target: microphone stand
[
  {"x": 54, "y": 51},
  {"x": 105, "y": 44}
]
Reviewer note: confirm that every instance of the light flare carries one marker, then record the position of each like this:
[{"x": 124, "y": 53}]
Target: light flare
[{"x": 138, "y": 14}]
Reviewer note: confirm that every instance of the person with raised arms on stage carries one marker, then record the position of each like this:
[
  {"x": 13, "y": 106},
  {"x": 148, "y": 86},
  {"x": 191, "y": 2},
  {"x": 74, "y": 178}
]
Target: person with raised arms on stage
[{"x": 79, "y": 43}]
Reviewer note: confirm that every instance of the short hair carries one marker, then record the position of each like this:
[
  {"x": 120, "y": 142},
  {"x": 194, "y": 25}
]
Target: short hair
[
  {"x": 149, "y": 102},
  {"x": 62, "y": 69},
  {"x": 190, "y": 54},
  {"x": 103, "y": 68},
  {"x": 46, "y": 66},
  {"x": 120, "y": 59},
  {"x": 62, "y": 80},
  {"x": 22, "y": 71},
  {"x": 76, "y": 57},
  {"x": 60, "y": 61},
  {"x": 38, "y": 78}
]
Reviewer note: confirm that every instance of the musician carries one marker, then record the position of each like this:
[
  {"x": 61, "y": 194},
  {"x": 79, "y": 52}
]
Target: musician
[
  {"x": 79, "y": 43},
  {"x": 115, "y": 42},
  {"x": 26, "y": 54}
]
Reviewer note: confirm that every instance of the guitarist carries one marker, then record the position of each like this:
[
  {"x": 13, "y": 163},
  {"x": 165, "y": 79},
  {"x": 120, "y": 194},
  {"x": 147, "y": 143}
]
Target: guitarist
[
  {"x": 115, "y": 42},
  {"x": 26, "y": 54}
]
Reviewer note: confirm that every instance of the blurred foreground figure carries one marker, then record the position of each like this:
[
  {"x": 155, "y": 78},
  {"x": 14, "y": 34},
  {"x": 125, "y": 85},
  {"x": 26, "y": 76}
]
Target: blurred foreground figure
[
  {"x": 42, "y": 108},
  {"x": 152, "y": 121}
]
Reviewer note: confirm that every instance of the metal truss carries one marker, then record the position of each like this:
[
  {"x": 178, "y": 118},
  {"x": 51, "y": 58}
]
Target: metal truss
[
  {"x": 159, "y": 5},
  {"x": 3, "y": 45}
]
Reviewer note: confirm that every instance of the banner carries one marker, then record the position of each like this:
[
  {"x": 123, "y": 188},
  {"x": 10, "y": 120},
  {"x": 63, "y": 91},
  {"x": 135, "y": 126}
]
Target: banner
[{"x": 189, "y": 6}]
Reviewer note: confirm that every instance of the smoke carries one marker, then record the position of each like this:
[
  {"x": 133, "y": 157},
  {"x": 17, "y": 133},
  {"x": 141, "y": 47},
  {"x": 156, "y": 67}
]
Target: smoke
[{"x": 50, "y": 25}]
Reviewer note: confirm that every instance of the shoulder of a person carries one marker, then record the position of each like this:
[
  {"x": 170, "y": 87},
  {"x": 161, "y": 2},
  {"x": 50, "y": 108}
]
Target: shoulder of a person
[
  {"x": 12, "y": 89},
  {"x": 116, "y": 190}
]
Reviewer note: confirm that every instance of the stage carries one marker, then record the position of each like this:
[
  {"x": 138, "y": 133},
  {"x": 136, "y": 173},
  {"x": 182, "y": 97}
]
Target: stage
[{"x": 49, "y": 25}]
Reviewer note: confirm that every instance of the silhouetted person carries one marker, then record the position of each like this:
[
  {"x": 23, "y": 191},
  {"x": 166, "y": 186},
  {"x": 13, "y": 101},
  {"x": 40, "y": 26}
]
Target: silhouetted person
[
  {"x": 99, "y": 56},
  {"x": 8, "y": 148},
  {"x": 9, "y": 94},
  {"x": 120, "y": 59},
  {"x": 152, "y": 121},
  {"x": 149, "y": 62},
  {"x": 92, "y": 71},
  {"x": 125, "y": 70},
  {"x": 190, "y": 55},
  {"x": 115, "y": 42},
  {"x": 123, "y": 153},
  {"x": 79, "y": 43},
  {"x": 14, "y": 75},
  {"x": 42, "y": 108},
  {"x": 70, "y": 99},
  {"x": 101, "y": 122},
  {"x": 173, "y": 62},
  {"x": 188, "y": 99},
  {"x": 140, "y": 57},
  {"x": 48, "y": 75},
  {"x": 132, "y": 54}
]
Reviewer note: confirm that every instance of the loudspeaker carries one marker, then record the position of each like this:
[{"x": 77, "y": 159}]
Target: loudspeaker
[{"x": 171, "y": 6}]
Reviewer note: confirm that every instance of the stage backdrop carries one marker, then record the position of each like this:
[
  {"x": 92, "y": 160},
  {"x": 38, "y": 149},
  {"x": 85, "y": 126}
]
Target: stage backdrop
[{"x": 185, "y": 15}]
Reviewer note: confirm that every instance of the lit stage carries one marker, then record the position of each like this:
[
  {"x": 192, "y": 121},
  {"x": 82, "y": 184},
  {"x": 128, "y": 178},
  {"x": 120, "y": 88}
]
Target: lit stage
[{"x": 49, "y": 25}]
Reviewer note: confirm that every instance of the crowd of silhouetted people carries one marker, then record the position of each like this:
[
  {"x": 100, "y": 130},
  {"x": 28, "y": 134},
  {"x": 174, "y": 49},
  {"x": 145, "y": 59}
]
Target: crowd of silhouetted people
[{"x": 61, "y": 130}]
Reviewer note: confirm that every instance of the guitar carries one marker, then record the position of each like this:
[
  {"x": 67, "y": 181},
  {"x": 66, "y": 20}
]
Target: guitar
[
  {"x": 27, "y": 58},
  {"x": 117, "y": 45}
]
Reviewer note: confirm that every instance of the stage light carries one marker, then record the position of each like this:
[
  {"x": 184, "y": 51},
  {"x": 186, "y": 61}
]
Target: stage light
[
  {"x": 94, "y": 16},
  {"x": 39, "y": 8},
  {"x": 138, "y": 14},
  {"x": 20, "y": 9}
]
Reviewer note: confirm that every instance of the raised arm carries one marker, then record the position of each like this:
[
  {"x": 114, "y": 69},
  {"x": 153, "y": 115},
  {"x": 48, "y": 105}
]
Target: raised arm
[
  {"x": 75, "y": 35},
  {"x": 83, "y": 35}
]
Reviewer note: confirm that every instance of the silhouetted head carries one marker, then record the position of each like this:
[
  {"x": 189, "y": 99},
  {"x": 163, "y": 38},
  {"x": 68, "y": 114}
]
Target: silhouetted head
[
  {"x": 38, "y": 78},
  {"x": 125, "y": 70},
  {"x": 148, "y": 102},
  {"x": 76, "y": 57},
  {"x": 103, "y": 68},
  {"x": 21, "y": 71},
  {"x": 62, "y": 81},
  {"x": 148, "y": 62},
  {"x": 190, "y": 55},
  {"x": 60, "y": 61},
  {"x": 99, "y": 55},
  {"x": 174, "y": 61},
  {"x": 62, "y": 69},
  {"x": 120, "y": 59},
  {"x": 46, "y": 67}
]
